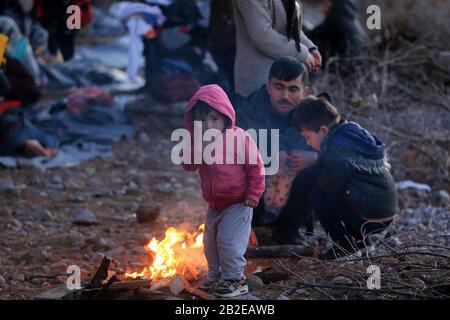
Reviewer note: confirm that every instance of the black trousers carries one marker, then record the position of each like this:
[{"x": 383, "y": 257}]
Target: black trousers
[
  {"x": 297, "y": 211},
  {"x": 341, "y": 215}
]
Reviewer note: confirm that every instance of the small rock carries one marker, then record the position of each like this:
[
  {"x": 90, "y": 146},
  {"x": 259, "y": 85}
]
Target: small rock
[
  {"x": 77, "y": 199},
  {"x": 97, "y": 258},
  {"x": 140, "y": 250},
  {"x": 45, "y": 269},
  {"x": 42, "y": 214},
  {"x": 147, "y": 213},
  {"x": 40, "y": 254},
  {"x": 340, "y": 280},
  {"x": 176, "y": 285},
  {"x": 245, "y": 297},
  {"x": 15, "y": 224},
  {"x": 7, "y": 186},
  {"x": 254, "y": 282},
  {"x": 132, "y": 188},
  {"x": 132, "y": 207},
  {"x": 3, "y": 283},
  {"x": 442, "y": 197},
  {"x": 60, "y": 266},
  {"x": 99, "y": 243},
  {"x": 144, "y": 238},
  {"x": 17, "y": 276},
  {"x": 144, "y": 138},
  {"x": 56, "y": 180},
  {"x": 301, "y": 291},
  {"x": 420, "y": 282},
  {"x": 283, "y": 297},
  {"x": 164, "y": 187},
  {"x": 116, "y": 180},
  {"x": 114, "y": 253},
  {"x": 84, "y": 218}
]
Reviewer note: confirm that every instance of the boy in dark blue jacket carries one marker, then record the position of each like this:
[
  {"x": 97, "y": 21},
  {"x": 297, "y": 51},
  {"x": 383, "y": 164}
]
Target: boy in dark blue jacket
[{"x": 355, "y": 193}]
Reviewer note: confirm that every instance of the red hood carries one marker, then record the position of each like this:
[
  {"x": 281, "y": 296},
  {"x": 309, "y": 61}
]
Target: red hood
[{"x": 214, "y": 96}]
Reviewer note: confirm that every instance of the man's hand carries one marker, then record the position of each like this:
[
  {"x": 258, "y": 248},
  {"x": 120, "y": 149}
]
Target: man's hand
[
  {"x": 302, "y": 159},
  {"x": 250, "y": 203},
  {"x": 318, "y": 59}
]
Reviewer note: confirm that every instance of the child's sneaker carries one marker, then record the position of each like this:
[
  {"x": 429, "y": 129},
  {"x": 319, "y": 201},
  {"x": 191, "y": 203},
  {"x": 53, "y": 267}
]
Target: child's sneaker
[
  {"x": 208, "y": 286},
  {"x": 231, "y": 288}
]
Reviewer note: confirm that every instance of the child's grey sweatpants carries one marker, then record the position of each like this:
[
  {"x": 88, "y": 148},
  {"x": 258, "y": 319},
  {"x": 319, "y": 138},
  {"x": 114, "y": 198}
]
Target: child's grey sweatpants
[{"x": 225, "y": 241}]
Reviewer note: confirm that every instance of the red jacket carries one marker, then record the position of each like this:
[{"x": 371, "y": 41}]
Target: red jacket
[{"x": 227, "y": 184}]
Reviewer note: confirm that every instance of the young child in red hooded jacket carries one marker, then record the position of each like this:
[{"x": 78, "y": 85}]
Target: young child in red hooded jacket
[{"x": 231, "y": 188}]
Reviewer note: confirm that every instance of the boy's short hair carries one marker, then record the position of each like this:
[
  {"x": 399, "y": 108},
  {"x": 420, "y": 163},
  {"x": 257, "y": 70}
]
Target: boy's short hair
[
  {"x": 314, "y": 112},
  {"x": 287, "y": 69}
]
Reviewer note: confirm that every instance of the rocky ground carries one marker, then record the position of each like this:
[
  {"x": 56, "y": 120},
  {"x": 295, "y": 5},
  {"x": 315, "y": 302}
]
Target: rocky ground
[{"x": 50, "y": 220}]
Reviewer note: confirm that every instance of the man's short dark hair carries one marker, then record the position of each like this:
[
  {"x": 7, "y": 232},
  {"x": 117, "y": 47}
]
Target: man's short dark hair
[
  {"x": 314, "y": 112},
  {"x": 288, "y": 69}
]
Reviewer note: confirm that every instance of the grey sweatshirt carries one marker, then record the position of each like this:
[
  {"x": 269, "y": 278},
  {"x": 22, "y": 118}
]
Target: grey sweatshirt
[{"x": 261, "y": 28}]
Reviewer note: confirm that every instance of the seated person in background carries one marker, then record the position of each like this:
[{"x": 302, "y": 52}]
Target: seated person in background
[
  {"x": 354, "y": 192},
  {"x": 20, "y": 136},
  {"x": 340, "y": 34}
]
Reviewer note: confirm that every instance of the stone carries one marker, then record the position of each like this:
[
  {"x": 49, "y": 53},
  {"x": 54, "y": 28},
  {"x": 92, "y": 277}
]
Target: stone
[
  {"x": 131, "y": 206},
  {"x": 442, "y": 197},
  {"x": 60, "y": 266},
  {"x": 43, "y": 214},
  {"x": 245, "y": 297},
  {"x": 254, "y": 282},
  {"x": 283, "y": 297},
  {"x": 164, "y": 187},
  {"x": 3, "y": 283},
  {"x": 340, "y": 280},
  {"x": 97, "y": 258},
  {"x": 144, "y": 238},
  {"x": 56, "y": 179},
  {"x": 17, "y": 276},
  {"x": 56, "y": 293},
  {"x": 114, "y": 253},
  {"x": 147, "y": 213},
  {"x": 7, "y": 185},
  {"x": 117, "y": 180},
  {"x": 15, "y": 224},
  {"x": 84, "y": 218},
  {"x": 301, "y": 291},
  {"x": 132, "y": 188},
  {"x": 144, "y": 138},
  {"x": 176, "y": 285},
  {"x": 99, "y": 243},
  {"x": 77, "y": 199}
]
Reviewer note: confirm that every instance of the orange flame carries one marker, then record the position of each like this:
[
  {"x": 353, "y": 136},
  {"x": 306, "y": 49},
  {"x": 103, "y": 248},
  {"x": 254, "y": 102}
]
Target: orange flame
[{"x": 170, "y": 254}]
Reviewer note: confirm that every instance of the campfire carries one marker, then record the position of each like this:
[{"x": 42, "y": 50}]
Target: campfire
[{"x": 179, "y": 253}]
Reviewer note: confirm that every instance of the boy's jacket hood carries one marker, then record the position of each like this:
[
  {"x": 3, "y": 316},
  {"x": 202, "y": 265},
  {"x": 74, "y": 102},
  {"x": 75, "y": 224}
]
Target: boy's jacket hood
[
  {"x": 352, "y": 136},
  {"x": 214, "y": 96}
]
